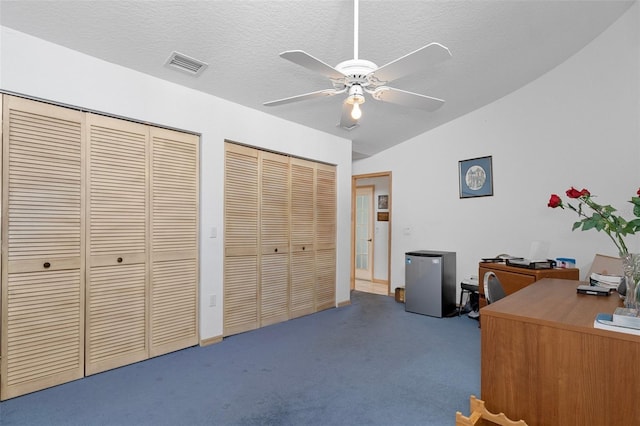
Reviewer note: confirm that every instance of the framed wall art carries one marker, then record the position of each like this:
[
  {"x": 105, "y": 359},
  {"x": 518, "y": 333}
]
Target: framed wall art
[
  {"x": 383, "y": 202},
  {"x": 476, "y": 177}
]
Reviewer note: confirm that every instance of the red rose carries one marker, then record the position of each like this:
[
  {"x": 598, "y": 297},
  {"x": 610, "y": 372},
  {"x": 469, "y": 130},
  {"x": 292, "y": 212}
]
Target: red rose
[
  {"x": 554, "y": 201},
  {"x": 638, "y": 192},
  {"x": 574, "y": 193}
]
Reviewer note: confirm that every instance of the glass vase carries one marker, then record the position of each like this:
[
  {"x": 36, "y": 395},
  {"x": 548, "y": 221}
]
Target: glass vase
[{"x": 631, "y": 270}]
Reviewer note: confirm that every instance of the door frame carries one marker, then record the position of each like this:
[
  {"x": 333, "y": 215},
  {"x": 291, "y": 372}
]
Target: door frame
[{"x": 354, "y": 181}]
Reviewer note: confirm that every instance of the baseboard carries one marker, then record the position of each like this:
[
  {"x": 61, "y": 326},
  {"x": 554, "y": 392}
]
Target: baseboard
[
  {"x": 345, "y": 303},
  {"x": 211, "y": 341}
]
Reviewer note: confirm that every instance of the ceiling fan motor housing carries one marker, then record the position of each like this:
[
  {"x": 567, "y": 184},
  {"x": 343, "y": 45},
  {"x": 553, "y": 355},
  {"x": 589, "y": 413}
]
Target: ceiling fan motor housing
[{"x": 356, "y": 71}]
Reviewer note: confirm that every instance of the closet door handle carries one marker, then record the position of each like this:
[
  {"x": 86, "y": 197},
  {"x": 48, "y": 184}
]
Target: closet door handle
[
  {"x": 46, "y": 265},
  {"x": 276, "y": 250},
  {"x": 119, "y": 260},
  {"x": 302, "y": 248}
]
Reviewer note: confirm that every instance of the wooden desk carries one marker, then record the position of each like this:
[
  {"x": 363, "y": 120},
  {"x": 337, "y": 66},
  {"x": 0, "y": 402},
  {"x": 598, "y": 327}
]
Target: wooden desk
[
  {"x": 543, "y": 362},
  {"x": 514, "y": 278}
]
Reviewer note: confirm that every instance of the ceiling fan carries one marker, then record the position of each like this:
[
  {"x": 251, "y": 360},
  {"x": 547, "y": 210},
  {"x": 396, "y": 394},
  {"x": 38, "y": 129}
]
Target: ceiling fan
[{"x": 358, "y": 76}]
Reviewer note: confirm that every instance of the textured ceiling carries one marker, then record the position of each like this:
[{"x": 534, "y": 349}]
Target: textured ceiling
[{"x": 497, "y": 46}]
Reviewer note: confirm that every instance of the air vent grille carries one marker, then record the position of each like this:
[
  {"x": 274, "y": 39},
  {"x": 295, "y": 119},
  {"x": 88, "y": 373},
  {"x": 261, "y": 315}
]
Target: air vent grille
[{"x": 186, "y": 64}]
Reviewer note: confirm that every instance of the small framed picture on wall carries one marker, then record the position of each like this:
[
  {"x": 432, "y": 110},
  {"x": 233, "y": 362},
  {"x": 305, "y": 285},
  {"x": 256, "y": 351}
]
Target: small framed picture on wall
[
  {"x": 476, "y": 177},
  {"x": 383, "y": 202}
]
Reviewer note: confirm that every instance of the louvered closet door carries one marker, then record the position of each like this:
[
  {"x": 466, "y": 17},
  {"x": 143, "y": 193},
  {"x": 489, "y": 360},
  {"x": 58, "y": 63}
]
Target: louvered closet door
[
  {"x": 302, "y": 250},
  {"x": 274, "y": 238},
  {"x": 42, "y": 246},
  {"x": 240, "y": 239},
  {"x": 325, "y": 237},
  {"x": 174, "y": 237},
  {"x": 116, "y": 317}
]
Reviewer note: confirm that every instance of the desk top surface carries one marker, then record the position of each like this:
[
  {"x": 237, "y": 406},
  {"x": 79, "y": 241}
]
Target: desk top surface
[{"x": 554, "y": 302}]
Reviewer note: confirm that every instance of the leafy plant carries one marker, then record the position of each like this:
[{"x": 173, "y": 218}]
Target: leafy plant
[{"x": 600, "y": 217}]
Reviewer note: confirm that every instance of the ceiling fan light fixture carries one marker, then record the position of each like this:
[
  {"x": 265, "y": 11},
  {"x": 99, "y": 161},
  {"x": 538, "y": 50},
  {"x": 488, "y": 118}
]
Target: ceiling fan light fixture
[{"x": 356, "y": 97}]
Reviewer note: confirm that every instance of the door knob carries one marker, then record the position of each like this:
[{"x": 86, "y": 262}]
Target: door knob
[{"x": 369, "y": 240}]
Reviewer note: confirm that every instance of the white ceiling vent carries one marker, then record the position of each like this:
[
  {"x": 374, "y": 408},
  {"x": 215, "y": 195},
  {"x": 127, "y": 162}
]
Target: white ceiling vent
[{"x": 186, "y": 64}]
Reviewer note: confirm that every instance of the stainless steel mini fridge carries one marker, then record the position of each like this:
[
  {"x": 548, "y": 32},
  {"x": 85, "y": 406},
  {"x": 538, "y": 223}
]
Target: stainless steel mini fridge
[{"x": 430, "y": 282}]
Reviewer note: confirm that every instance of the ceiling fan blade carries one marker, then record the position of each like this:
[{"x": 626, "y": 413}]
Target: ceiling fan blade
[
  {"x": 426, "y": 56},
  {"x": 408, "y": 99},
  {"x": 309, "y": 62},
  {"x": 304, "y": 97},
  {"x": 346, "y": 121}
]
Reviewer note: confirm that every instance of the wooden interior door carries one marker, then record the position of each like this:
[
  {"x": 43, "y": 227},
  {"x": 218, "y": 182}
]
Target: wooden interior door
[
  {"x": 364, "y": 233},
  {"x": 241, "y": 210},
  {"x": 325, "y": 237},
  {"x": 301, "y": 298},
  {"x": 42, "y": 341},
  {"x": 117, "y": 284},
  {"x": 174, "y": 241},
  {"x": 274, "y": 238}
]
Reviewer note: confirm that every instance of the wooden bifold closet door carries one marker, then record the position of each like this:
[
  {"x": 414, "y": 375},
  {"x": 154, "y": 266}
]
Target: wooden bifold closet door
[
  {"x": 142, "y": 297},
  {"x": 325, "y": 237},
  {"x": 302, "y": 298},
  {"x": 274, "y": 238},
  {"x": 240, "y": 239},
  {"x": 42, "y": 245},
  {"x": 99, "y": 244},
  {"x": 280, "y": 215},
  {"x": 117, "y": 280},
  {"x": 174, "y": 241}
]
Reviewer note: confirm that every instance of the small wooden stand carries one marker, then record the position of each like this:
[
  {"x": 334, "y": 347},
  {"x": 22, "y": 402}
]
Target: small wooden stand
[{"x": 479, "y": 412}]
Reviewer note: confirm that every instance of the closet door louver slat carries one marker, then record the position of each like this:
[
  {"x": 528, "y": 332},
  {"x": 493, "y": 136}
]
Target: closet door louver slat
[
  {"x": 174, "y": 240},
  {"x": 42, "y": 342},
  {"x": 117, "y": 244}
]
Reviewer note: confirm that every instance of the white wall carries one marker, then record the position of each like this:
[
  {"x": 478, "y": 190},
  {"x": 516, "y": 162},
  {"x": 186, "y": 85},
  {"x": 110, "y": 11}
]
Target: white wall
[
  {"x": 40, "y": 69},
  {"x": 577, "y": 125}
]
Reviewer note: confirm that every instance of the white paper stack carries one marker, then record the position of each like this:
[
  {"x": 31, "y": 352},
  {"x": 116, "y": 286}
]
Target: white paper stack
[{"x": 606, "y": 281}]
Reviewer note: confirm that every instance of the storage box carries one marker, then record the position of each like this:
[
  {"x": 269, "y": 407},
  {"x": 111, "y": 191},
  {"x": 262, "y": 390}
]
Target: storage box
[{"x": 565, "y": 262}]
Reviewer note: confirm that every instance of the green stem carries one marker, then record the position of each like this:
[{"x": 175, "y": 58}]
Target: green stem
[{"x": 618, "y": 241}]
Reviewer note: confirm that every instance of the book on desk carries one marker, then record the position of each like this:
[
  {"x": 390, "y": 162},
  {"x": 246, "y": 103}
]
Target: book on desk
[{"x": 606, "y": 322}]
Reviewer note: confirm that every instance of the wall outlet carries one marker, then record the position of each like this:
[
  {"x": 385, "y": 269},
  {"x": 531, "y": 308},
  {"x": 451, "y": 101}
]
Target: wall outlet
[{"x": 212, "y": 300}]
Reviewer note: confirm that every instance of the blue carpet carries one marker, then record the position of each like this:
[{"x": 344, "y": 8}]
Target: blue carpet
[{"x": 370, "y": 363}]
